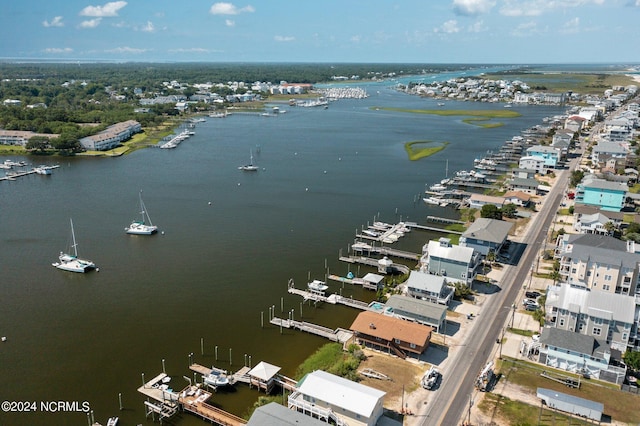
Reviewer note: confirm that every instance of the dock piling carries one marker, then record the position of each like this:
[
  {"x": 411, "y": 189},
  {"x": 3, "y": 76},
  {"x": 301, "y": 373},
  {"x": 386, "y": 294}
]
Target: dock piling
[
  {"x": 261, "y": 319},
  {"x": 230, "y": 360},
  {"x": 163, "y": 369},
  {"x": 143, "y": 382},
  {"x": 202, "y": 346},
  {"x": 216, "y": 352},
  {"x": 120, "y": 401}
]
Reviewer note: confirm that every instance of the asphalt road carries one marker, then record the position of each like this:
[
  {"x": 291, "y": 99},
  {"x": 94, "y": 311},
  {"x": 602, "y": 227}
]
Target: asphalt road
[{"x": 451, "y": 403}]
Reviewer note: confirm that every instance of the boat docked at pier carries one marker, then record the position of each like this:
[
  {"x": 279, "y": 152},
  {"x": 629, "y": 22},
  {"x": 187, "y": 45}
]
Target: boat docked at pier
[
  {"x": 71, "y": 262},
  {"x": 140, "y": 227},
  {"x": 317, "y": 286},
  {"x": 216, "y": 378}
]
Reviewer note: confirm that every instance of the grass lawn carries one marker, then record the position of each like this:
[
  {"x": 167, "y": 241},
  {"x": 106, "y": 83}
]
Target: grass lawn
[{"x": 617, "y": 404}]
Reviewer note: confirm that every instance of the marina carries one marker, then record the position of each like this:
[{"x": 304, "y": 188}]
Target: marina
[
  {"x": 40, "y": 170},
  {"x": 211, "y": 258}
]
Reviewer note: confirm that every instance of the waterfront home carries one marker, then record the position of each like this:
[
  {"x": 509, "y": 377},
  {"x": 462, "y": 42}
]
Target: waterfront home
[
  {"x": 599, "y": 314},
  {"x": 562, "y": 140},
  {"x": 429, "y": 287},
  {"x": 527, "y": 172},
  {"x": 574, "y": 123},
  {"x": 533, "y": 164},
  {"x": 455, "y": 262},
  {"x": 549, "y": 154},
  {"x": 476, "y": 201},
  {"x": 112, "y": 136},
  {"x": 598, "y": 262},
  {"x": 529, "y": 186},
  {"x": 274, "y": 414},
  {"x": 485, "y": 235},
  {"x": 337, "y": 400},
  {"x": 418, "y": 310},
  {"x": 391, "y": 335},
  {"x": 21, "y": 137},
  {"x": 519, "y": 198},
  {"x": 604, "y": 194},
  {"x": 580, "y": 354}
]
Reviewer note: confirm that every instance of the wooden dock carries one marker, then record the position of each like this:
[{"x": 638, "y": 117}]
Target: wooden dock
[
  {"x": 338, "y": 335},
  {"x": 404, "y": 269},
  {"x": 332, "y": 299},
  {"x": 386, "y": 251},
  {"x": 434, "y": 229},
  {"x": 15, "y": 175},
  {"x": 438, "y": 219},
  {"x": 192, "y": 399}
]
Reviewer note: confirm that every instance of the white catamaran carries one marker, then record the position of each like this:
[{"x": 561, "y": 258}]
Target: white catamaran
[
  {"x": 140, "y": 227},
  {"x": 71, "y": 262}
]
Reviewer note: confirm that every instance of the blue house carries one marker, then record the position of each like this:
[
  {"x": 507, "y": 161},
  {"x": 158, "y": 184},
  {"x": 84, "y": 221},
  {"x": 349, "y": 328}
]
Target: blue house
[
  {"x": 549, "y": 154},
  {"x": 606, "y": 195}
]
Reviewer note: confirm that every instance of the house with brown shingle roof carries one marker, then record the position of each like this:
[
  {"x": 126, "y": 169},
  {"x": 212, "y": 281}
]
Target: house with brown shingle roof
[{"x": 392, "y": 335}]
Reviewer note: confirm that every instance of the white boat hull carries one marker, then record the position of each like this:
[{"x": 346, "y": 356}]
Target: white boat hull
[{"x": 137, "y": 228}]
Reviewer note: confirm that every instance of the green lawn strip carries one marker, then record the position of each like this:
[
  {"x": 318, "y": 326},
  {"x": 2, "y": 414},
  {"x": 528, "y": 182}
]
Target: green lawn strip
[
  {"x": 418, "y": 153},
  {"x": 617, "y": 404},
  {"x": 520, "y": 414}
]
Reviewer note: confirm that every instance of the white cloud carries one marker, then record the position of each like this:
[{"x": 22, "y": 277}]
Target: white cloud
[
  {"x": 449, "y": 27},
  {"x": 148, "y": 28},
  {"x": 526, "y": 29},
  {"x": 230, "y": 22},
  {"x": 91, "y": 23},
  {"x": 223, "y": 8},
  {"x": 58, "y": 50},
  {"x": 356, "y": 38},
  {"x": 190, "y": 50},
  {"x": 108, "y": 10},
  {"x": 55, "y": 22},
  {"x": 538, "y": 7},
  {"x": 477, "y": 27},
  {"x": 126, "y": 50},
  {"x": 472, "y": 7},
  {"x": 283, "y": 38},
  {"x": 572, "y": 26}
]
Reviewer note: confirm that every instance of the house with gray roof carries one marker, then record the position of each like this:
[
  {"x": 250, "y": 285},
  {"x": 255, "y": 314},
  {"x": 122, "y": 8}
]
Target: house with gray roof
[
  {"x": 485, "y": 235},
  {"x": 530, "y": 186},
  {"x": 607, "y": 195},
  {"x": 274, "y": 414},
  {"x": 611, "y": 149},
  {"x": 595, "y": 223},
  {"x": 418, "y": 310},
  {"x": 599, "y": 314},
  {"x": 598, "y": 262},
  {"x": 455, "y": 262},
  {"x": 429, "y": 287},
  {"x": 580, "y": 354}
]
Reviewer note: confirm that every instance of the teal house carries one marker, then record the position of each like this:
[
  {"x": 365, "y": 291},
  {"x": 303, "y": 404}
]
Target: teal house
[
  {"x": 549, "y": 154},
  {"x": 609, "y": 196}
]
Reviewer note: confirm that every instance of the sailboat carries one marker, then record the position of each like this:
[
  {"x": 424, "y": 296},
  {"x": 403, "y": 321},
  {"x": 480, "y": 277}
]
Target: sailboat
[
  {"x": 71, "y": 262},
  {"x": 249, "y": 167},
  {"x": 140, "y": 227}
]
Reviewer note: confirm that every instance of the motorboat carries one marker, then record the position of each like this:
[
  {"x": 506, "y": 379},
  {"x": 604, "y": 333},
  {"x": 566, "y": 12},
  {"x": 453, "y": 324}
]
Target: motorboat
[
  {"x": 112, "y": 421},
  {"x": 42, "y": 170},
  {"x": 216, "y": 379},
  {"x": 71, "y": 262},
  {"x": 140, "y": 227},
  {"x": 317, "y": 286}
]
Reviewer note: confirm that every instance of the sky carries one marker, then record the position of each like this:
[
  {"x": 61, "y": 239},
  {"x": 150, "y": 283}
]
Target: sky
[{"x": 366, "y": 31}]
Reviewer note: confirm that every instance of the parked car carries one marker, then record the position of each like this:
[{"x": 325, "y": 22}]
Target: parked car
[
  {"x": 534, "y": 307},
  {"x": 532, "y": 294},
  {"x": 526, "y": 302}
]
